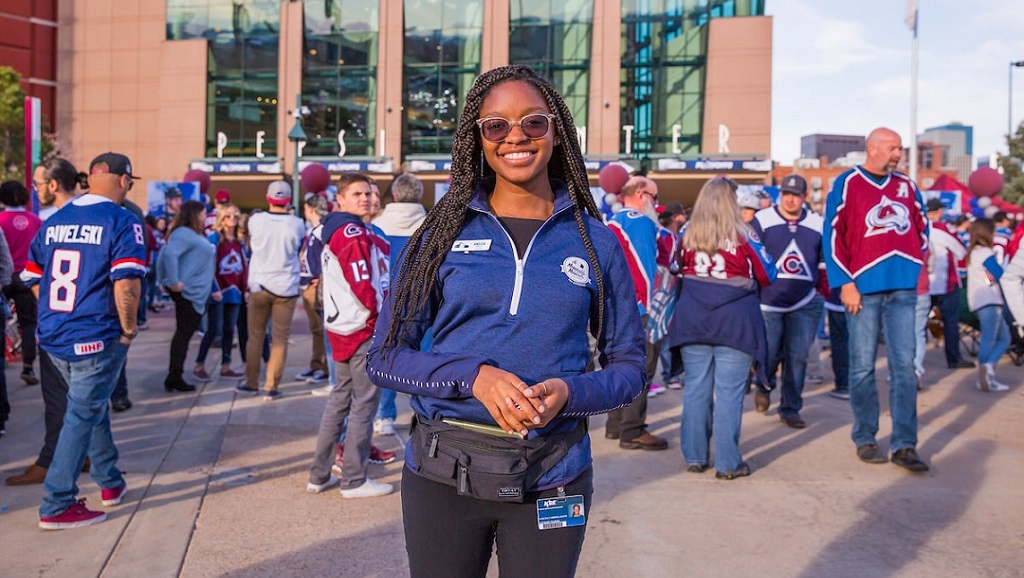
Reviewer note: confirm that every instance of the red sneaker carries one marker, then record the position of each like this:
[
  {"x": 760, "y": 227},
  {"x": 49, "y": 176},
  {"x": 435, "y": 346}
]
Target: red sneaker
[
  {"x": 76, "y": 516},
  {"x": 200, "y": 373},
  {"x": 229, "y": 372},
  {"x": 113, "y": 497},
  {"x": 379, "y": 456}
]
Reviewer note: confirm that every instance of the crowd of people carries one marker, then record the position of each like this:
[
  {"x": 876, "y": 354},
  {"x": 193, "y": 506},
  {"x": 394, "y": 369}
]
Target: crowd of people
[{"x": 454, "y": 308}]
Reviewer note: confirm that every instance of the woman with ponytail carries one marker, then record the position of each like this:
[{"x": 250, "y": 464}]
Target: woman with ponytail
[{"x": 507, "y": 275}]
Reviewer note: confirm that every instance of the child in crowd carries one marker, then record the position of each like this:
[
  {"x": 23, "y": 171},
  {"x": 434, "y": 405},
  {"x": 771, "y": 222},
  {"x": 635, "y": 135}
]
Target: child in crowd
[{"x": 986, "y": 301}]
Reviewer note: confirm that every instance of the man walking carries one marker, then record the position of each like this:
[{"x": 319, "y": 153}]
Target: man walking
[
  {"x": 275, "y": 237},
  {"x": 875, "y": 237},
  {"x": 636, "y": 228},
  {"x": 88, "y": 259},
  {"x": 944, "y": 282},
  {"x": 792, "y": 306},
  {"x": 355, "y": 278}
]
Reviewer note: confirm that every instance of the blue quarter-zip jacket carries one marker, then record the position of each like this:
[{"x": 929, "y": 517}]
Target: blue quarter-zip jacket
[{"x": 528, "y": 316}]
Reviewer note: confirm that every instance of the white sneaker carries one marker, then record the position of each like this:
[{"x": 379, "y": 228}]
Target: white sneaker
[
  {"x": 322, "y": 391},
  {"x": 317, "y": 488},
  {"x": 992, "y": 386},
  {"x": 655, "y": 390},
  {"x": 384, "y": 426},
  {"x": 370, "y": 489},
  {"x": 674, "y": 383}
]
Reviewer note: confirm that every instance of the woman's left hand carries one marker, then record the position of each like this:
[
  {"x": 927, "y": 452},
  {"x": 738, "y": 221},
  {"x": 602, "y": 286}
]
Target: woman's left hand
[
  {"x": 217, "y": 296},
  {"x": 553, "y": 395}
]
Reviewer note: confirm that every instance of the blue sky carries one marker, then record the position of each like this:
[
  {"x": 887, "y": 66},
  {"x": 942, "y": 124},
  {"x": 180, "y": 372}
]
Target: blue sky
[{"x": 843, "y": 67}]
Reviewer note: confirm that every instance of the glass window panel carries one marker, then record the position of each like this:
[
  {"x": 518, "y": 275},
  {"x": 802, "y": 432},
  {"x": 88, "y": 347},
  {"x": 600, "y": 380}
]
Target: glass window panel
[
  {"x": 442, "y": 59},
  {"x": 340, "y": 76}
]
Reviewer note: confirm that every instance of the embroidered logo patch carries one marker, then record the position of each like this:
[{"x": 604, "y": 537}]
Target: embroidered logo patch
[
  {"x": 887, "y": 217},
  {"x": 577, "y": 270},
  {"x": 793, "y": 265},
  {"x": 352, "y": 230},
  {"x": 87, "y": 348}
]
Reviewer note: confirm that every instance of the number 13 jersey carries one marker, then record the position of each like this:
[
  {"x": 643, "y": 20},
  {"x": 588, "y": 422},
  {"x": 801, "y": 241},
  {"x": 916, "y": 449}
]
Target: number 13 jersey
[{"x": 75, "y": 257}]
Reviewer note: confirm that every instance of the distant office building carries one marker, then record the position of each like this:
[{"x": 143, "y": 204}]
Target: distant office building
[
  {"x": 833, "y": 146},
  {"x": 958, "y": 153}
]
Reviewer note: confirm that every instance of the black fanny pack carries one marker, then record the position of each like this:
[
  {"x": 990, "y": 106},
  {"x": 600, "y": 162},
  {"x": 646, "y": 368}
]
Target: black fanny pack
[{"x": 486, "y": 466}]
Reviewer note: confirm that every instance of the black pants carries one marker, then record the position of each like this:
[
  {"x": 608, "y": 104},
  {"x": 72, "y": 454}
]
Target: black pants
[
  {"x": 26, "y": 305},
  {"x": 186, "y": 322},
  {"x": 55, "y": 402},
  {"x": 949, "y": 309},
  {"x": 451, "y": 535},
  {"x": 630, "y": 421}
]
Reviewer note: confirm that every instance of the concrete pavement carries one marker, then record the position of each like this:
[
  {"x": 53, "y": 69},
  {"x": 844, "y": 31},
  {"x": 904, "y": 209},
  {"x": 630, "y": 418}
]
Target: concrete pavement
[{"x": 217, "y": 488}]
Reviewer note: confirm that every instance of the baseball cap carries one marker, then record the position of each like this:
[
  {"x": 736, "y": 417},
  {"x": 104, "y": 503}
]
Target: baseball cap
[
  {"x": 794, "y": 184},
  {"x": 222, "y": 196},
  {"x": 112, "y": 163},
  {"x": 279, "y": 193},
  {"x": 172, "y": 193},
  {"x": 934, "y": 205},
  {"x": 749, "y": 201}
]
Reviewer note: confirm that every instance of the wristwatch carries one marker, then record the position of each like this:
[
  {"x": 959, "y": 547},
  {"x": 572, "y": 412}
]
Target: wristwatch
[{"x": 130, "y": 336}]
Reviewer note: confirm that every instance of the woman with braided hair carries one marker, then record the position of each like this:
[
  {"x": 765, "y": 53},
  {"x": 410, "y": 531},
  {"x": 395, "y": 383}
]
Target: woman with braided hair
[{"x": 507, "y": 274}]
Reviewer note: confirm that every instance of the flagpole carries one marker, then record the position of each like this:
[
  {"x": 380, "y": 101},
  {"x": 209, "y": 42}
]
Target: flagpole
[{"x": 913, "y": 102}]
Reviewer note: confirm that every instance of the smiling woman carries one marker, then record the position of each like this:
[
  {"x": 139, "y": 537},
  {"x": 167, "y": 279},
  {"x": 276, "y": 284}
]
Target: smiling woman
[{"x": 514, "y": 240}]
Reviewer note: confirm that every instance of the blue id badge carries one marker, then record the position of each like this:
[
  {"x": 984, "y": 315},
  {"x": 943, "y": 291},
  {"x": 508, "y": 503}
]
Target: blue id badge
[{"x": 560, "y": 512}]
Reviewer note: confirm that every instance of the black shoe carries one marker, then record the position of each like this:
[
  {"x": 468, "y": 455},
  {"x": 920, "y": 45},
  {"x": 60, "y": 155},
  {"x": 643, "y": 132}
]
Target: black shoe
[
  {"x": 869, "y": 453},
  {"x": 761, "y": 401},
  {"x": 743, "y": 470},
  {"x": 697, "y": 468},
  {"x": 178, "y": 385},
  {"x": 645, "y": 441},
  {"x": 962, "y": 364},
  {"x": 119, "y": 405},
  {"x": 29, "y": 376},
  {"x": 908, "y": 458},
  {"x": 793, "y": 421}
]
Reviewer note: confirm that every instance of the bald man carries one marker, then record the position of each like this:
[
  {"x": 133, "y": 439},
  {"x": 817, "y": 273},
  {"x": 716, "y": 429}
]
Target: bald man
[
  {"x": 875, "y": 237},
  {"x": 636, "y": 227}
]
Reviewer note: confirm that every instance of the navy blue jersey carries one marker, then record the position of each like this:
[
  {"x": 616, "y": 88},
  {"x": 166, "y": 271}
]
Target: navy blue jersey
[
  {"x": 795, "y": 245},
  {"x": 76, "y": 256}
]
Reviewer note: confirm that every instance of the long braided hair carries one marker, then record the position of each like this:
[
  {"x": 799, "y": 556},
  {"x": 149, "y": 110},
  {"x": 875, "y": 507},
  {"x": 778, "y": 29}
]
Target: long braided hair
[{"x": 428, "y": 247}]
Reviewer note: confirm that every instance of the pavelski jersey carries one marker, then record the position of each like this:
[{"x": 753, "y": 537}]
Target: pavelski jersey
[
  {"x": 75, "y": 257},
  {"x": 355, "y": 275},
  {"x": 796, "y": 247},
  {"x": 875, "y": 232}
]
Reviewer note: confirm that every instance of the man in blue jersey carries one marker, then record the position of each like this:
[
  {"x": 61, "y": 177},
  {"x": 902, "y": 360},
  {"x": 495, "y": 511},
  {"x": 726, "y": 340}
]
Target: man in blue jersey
[
  {"x": 792, "y": 306},
  {"x": 875, "y": 237},
  {"x": 88, "y": 261},
  {"x": 636, "y": 228}
]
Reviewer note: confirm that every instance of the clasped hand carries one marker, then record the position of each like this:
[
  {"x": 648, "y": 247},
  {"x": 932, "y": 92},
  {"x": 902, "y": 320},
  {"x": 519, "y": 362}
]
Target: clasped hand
[{"x": 516, "y": 406}]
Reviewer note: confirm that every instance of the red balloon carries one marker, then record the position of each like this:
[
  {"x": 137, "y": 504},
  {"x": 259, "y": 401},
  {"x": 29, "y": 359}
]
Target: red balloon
[
  {"x": 315, "y": 178},
  {"x": 198, "y": 176},
  {"x": 612, "y": 178},
  {"x": 985, "y": 182}
]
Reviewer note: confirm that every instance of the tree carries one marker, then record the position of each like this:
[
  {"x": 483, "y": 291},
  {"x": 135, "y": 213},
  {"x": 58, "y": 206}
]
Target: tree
[
  {"x": 12, "y": 125},
  {"x": 1013, "y": 173}
]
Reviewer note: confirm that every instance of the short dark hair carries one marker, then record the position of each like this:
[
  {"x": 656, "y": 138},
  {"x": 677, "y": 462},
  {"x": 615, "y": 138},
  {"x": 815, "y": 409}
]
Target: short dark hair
[
  {"x": 1000, "y": 216},
  {"x": 14, "y": 194},
  {"x": 347, "y": 179}
]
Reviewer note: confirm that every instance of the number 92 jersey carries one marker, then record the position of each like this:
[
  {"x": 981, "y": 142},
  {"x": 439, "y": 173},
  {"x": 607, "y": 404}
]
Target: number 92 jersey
[{"x": 75, "y": 257}]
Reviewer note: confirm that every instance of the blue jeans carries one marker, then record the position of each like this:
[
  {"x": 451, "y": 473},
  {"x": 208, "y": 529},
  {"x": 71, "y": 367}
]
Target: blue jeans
[
  {"x": 223, "y": 319},
  {"x": 387, "y": 406},
  {"x": 839, "y": 343},
  {"x": 86, "y": 430},
  {"x": 949, "y": 308},
  {"x": 716, "y": 380},
  {"x": 892, "y": 312},
  {"x": 995, "y": 335},
  {"x": 789, "y": 339},
  {"x": 921, "y": 309}
]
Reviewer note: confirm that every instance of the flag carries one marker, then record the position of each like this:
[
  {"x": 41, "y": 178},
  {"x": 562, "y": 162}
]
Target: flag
[{"x": 910, "y": 15}]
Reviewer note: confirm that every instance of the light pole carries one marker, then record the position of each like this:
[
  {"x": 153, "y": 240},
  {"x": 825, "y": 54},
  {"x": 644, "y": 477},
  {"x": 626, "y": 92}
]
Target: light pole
[
  {"x": 1009, "y": 106},
  {"x": 297, "y": 136}
]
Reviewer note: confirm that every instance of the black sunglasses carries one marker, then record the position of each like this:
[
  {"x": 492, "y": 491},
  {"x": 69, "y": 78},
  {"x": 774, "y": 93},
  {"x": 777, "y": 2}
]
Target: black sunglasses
[{"x": 496, "y": 128}]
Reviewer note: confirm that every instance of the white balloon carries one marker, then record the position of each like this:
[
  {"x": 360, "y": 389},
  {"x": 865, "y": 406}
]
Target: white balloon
[
  {"x": 616, "y": 207},
  {"x": 991, "y": 211},
  {"x": 609, "y": 199},
  {"x": 984, "y": 202}
]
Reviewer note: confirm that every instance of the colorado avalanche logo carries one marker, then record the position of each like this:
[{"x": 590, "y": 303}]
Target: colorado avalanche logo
[
  {"x": 352, "y": 230},
  {"x": 887, "y": 216},
  {"x": 232, "y": 264},
  {"x": 793, "y": 264}
]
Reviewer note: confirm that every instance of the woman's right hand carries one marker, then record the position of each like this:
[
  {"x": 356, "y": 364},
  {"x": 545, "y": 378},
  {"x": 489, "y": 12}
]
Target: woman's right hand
[{"x": 502, "y": 394}]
